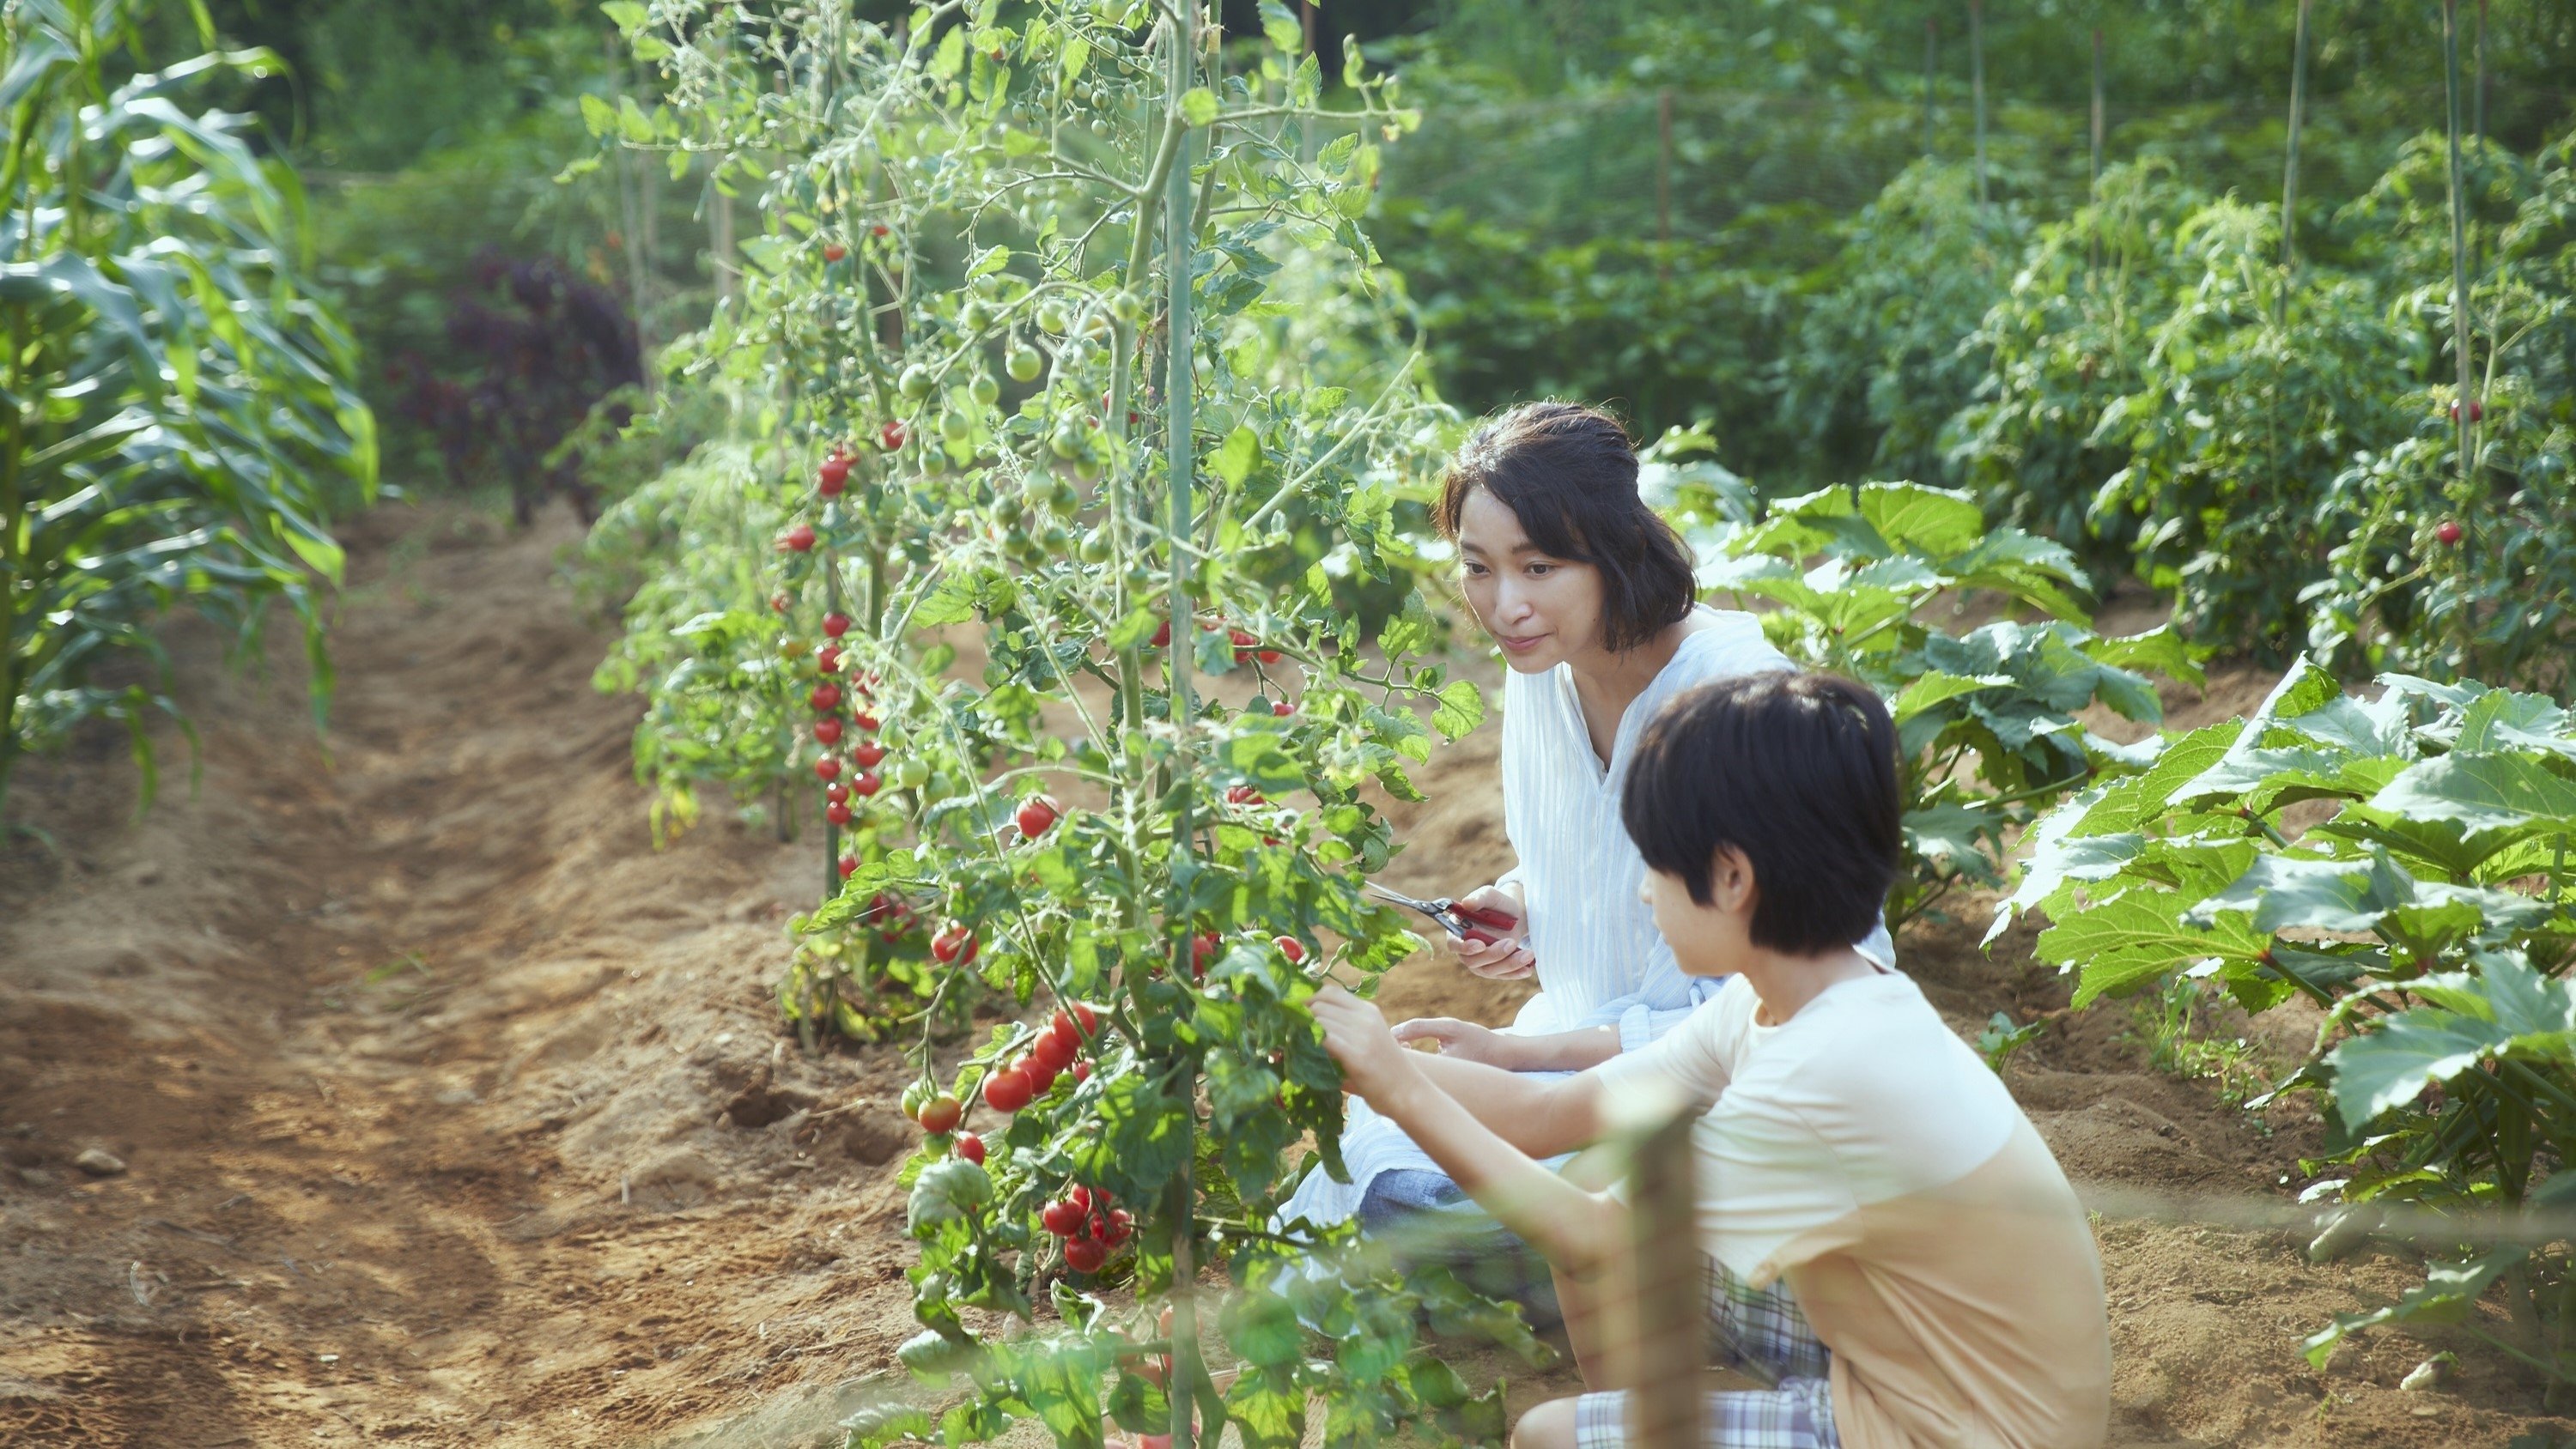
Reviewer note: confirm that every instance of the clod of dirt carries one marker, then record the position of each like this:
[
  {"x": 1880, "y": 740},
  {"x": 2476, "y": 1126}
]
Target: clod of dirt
[
  {"x": 876, "y": 1133},
  {"x": 99, "y": 1162}
]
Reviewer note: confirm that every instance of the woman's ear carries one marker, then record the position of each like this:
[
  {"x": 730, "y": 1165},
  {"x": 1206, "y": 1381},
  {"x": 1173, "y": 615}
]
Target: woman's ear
[{"x": 1731, "y": 886}]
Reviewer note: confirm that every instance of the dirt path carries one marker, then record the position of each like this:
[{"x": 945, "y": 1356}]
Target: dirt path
[{"x": 452, "y": 1113}]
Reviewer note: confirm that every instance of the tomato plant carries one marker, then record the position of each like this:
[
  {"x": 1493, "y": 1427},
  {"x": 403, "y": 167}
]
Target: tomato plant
[
  {"x": 2427, "y": 915},
  {"x": 1070, "y": 466},
  {"x": 1986, "y": 719}
]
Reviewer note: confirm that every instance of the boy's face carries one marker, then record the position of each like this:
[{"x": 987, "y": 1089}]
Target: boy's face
[{"x": 1712, "y": 939}]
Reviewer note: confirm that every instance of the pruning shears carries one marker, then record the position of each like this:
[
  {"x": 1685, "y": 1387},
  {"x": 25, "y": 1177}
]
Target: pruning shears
[{"x": 1468, "y": 923}]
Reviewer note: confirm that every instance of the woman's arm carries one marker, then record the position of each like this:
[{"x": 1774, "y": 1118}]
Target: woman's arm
[{"x": 1575, "y": 1229}]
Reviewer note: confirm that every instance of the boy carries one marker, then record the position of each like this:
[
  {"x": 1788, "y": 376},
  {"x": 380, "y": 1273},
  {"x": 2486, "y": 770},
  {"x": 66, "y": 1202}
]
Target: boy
[{"x": 1888, "y": 1242}]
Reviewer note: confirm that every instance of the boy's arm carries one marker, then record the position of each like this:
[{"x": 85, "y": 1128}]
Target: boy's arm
[
  {"x": 1575, "y": 1229},
  {"x": 1563, "y": 1051}
]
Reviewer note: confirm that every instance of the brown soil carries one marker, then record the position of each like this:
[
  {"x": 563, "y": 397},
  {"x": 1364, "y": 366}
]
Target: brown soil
[{"x": 456, "y": 1114}]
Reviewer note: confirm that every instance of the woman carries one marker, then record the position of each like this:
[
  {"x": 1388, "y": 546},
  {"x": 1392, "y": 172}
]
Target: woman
[{"x": 1591, "y": 598}]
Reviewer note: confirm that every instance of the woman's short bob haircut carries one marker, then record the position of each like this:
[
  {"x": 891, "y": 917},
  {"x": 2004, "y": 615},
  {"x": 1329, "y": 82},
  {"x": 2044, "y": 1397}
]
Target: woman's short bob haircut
[
  {"x": 1569, "y": 474},
  {"x": 1796, "y": 771}
]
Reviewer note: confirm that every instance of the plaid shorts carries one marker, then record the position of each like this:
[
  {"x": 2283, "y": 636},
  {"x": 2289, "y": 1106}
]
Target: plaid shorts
[{"x": 1759, "y": 1333}]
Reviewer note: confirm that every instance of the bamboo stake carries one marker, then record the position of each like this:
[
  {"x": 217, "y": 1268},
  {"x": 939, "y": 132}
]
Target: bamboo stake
[
  {"x": 2290, "y": 166},
  {"x": 1931, "y": 77},
  {"x": 1663, "y": 181},
  {"x": 1666, "y": 1360},
  {"x": 2479, "y": 129},
  {"x": 2464, "y": 419},
  {"x": 2096, "y": 173},
  {"x": 1179, "y": 243},
  {"x": 1977, "y": 90}
]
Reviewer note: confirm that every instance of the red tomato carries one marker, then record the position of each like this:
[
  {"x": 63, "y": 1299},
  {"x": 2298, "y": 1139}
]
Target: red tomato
[
  {"x": 1052, "y": 1054},
  {"x": 1082, "y": 1071},
  {"x": 1061, "y": 1218},
  {"x": 867, "y": 784},
  {"x": 970, "y": 1147},
  {"x": 1083, "y": 1255},
  {"x": 827, "y": 768},
  {"x": 1037, "y": 813},
  {"x": 825, "y": 698},
  {"x": 837, "y": 812},
  {"x": 954, "y": 945},
  {"x": 1290, "y": 947},
  {"x": 836, "y": 624},
  {"x": 834, "y": 251},
  {"x": 941, "y": 1113},
  {"x": 836, "y": 792},
  {"x": 834, "y": 474},
  {"x": 1162, "y": 635},
  {"x": 890, "y": 437},
  {"x": 866, "y": 753},
  {"x": 827, "y": 732},
  {"x": 1266, "y": 656},
  {"x": 1243, "y": 795},
  {"x": 798, "y": 539},
  {"x": 1007, "y": 1090},
  {"x": 828, "y": 659},
  {"x": 849, "y": 866},
  {"x": 2449, "y": 532},
  {"x": 1281, "y": 708}
]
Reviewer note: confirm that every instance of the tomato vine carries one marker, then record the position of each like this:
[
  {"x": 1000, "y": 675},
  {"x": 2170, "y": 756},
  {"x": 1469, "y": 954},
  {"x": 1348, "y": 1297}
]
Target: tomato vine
[{"x": 1066, "y": 357}]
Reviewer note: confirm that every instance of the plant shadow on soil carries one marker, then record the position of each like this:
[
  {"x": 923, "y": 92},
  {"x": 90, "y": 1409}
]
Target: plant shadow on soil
[{"x": 453, "y": 1113}]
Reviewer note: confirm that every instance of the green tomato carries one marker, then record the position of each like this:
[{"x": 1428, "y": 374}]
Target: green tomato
[
  {"x": 976, "y": 315},
  {"x": 956, "y": 427},
  {"x": 1063, "y": 499},
  {"x": 1023, "y": 363},
  {"x": 914, "y": 382},
  {"x": 1051, "y": 318},
  {"x": 1127, "y": 307},
  {"x": 984, "y": 389},
  {"x": 1095, "y": 545},
  {"x": 1068, "y": 440},
  {"x": 1010, "y": 509}
]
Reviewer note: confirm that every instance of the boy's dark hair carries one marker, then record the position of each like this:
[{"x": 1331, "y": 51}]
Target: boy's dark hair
[
  {"x": 1797, "y": 771},
  {"x": 1569, "y": 474}
]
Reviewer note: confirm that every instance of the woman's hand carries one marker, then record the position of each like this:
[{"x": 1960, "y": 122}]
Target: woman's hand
[
  {"x": 1464, "y": 1040},
  {"x": 1507, "y": 959},
  {"x": 1355, "y": 1033}
]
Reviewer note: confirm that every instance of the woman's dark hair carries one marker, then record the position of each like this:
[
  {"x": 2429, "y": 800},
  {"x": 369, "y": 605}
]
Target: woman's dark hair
[
  {"x": 1569, "y": 474},
  {"x": 1795, "y": 770}
]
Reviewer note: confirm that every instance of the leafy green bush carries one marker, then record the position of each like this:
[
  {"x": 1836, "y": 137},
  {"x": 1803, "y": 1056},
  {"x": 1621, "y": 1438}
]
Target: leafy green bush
[
  {"x": 177, "y": 420},
  {"x": 1885, "y": 349},
  {"x": 1854, "y": 580},
  {"x": 2428, "y": 915}
]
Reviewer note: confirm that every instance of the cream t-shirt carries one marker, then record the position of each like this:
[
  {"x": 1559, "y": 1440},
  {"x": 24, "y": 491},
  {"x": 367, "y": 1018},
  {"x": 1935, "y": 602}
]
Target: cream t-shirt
[{"x": 1864, "y": 1153}]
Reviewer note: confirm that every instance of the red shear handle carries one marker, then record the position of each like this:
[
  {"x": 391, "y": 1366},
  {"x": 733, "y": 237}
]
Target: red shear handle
[{"x": 1472, "y": 917}]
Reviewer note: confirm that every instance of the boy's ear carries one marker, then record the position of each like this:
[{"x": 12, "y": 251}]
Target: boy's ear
[{"x": 1731, "y": 886}]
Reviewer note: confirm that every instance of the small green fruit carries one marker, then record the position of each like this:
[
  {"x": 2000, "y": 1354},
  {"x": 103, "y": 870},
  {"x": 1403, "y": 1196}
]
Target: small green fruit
[
  {"x": 1023, "y": 363},
  {"x": 914, "y": 382}
]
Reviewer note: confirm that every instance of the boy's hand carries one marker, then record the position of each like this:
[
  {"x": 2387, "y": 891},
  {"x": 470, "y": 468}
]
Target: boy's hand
[
  {"x": 1507, "y": 959},
  {"x": 1355, "y": 1033},
  {"x": 1464, "y": 1040}
]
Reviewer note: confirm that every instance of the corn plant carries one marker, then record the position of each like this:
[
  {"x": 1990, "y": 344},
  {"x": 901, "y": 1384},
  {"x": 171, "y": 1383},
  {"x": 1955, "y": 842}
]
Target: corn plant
[
  {"x": 2428, "y": 916},
  {"x": 1050, "y": 337},
  {"x": 176, "y": 416}
]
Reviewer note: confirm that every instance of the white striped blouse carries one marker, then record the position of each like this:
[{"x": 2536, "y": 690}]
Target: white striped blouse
[{"x": 1600, "y": 959}]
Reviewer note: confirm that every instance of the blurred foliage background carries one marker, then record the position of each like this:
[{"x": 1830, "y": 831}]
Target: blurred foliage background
[{"x": 1763, "y": 219}]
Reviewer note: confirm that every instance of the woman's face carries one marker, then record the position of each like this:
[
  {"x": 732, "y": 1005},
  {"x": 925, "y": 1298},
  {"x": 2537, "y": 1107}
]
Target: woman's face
[{"x": 1542, "y": 610}]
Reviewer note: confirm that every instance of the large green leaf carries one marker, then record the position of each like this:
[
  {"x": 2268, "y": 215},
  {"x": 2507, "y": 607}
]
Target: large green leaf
[{"x": 2491, "y": 791}]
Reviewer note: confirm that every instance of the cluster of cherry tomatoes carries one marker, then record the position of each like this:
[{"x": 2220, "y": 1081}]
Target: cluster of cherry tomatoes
[
  {"x": 1055, "y": 1049},
  {"x": 1091, "y": 1226}
]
